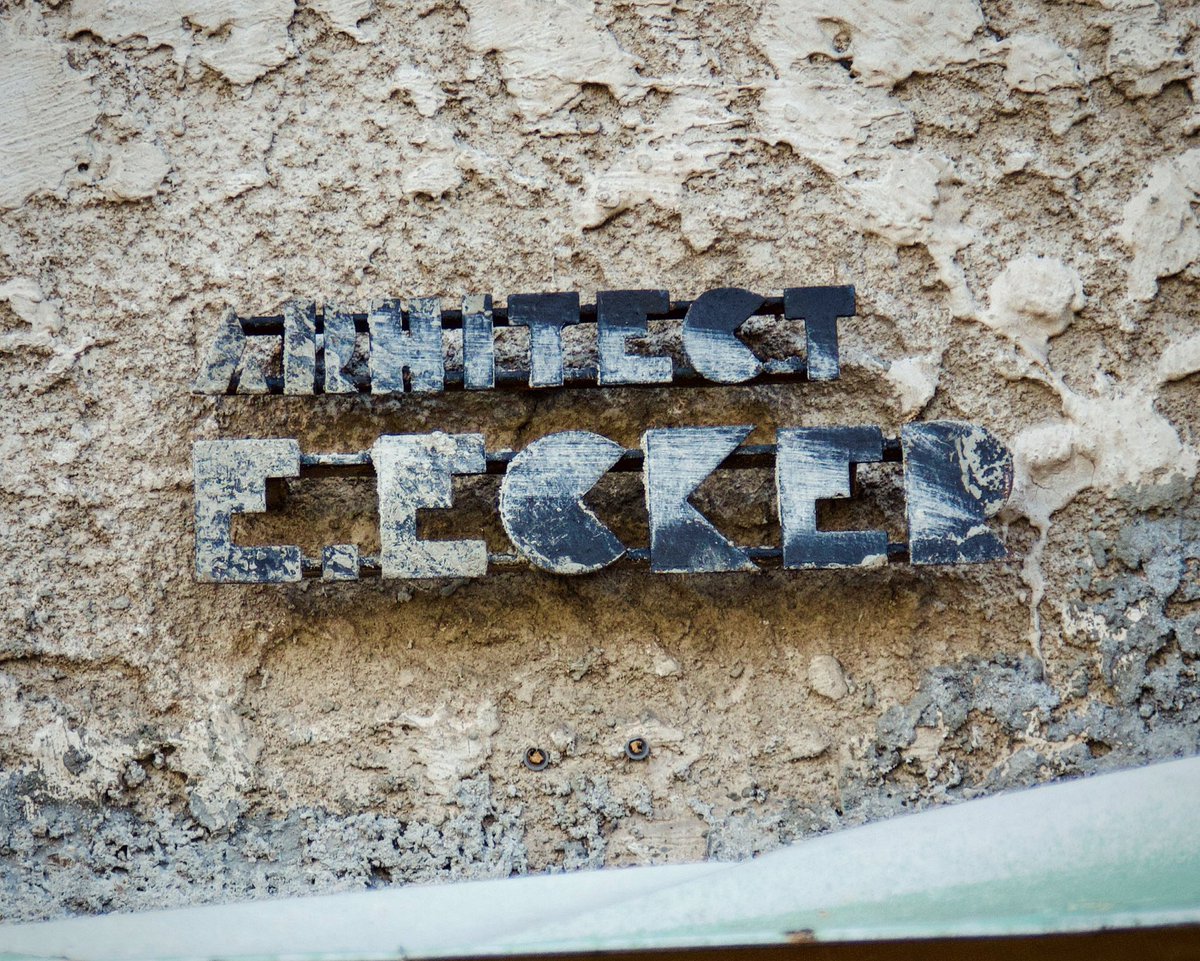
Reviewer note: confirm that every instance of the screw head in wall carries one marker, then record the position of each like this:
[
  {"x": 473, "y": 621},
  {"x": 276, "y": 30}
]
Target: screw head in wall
[
  {"x": 637, "y": 749},
  {"x": 535, "y": 759}
]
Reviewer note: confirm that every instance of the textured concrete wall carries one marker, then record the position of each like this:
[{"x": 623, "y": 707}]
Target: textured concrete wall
[{"x": 1012, "y": 188}]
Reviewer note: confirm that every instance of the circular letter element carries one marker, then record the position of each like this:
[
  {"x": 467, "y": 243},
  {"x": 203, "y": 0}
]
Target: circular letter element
[
  {"x": 541, "y": 503},
  {"x": 708, "y": 335}
]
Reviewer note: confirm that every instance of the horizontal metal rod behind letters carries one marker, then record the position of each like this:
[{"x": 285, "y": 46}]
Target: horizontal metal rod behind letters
[
  {"x": 405, "y": 353},
  {"x": 272, "y": 325},
  {"x": 746, "y": 457},
  {"x": 769, "y": 558},
  {"x": 773, "y": 372}
]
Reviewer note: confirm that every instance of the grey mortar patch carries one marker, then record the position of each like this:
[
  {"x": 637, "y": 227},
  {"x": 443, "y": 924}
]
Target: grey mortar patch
[
  {"x": 125, "y": 861},
  {"x": 1146, "y": 623}
]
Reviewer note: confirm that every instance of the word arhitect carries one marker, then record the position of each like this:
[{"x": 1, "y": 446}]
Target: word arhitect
[{"x": 407, "y": 342}]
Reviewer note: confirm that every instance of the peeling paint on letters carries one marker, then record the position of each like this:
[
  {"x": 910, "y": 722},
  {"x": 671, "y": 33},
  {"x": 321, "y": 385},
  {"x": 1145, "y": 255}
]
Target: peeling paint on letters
[
  {"x": 299, "y": 347},
  {"x": 408, "y": 349},
  {"x": 230, "y": 478},
  {"x": 339, "y": 562},
  {"x": 409, "y": 340},
  {"x": 820, "y": 308},
  {"x": 222, "y": 357},
  {"x": 682, "y": 540},
  {"x": 956, "y": 475},
  {"x": 414, "y": 472},
  {"x": 251, "y": 379},
  {"x": 816, "y": 463},
  {"x": 620, "y": 315},
  {"x": 541, "y": 503},
  {"x": 545, "y": 315},
  {"x": 339, "y": 350},
  {"x": 479, "y": 351},
  {"x": 708, "y": 334}
]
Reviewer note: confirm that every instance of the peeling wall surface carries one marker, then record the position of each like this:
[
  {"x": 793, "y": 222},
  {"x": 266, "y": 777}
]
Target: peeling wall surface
[{"x": 1011, "y": 187}]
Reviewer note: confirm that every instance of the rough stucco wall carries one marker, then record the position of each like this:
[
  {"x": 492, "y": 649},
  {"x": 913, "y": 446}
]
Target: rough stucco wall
[{"x": 1012, "y": 187}]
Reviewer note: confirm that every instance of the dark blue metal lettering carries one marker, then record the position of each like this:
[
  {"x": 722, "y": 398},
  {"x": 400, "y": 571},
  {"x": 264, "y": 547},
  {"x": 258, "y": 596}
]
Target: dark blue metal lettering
[
  {"x": 621, "y": 314},
  {"x": 956, "y": 475},
  {"x": 545, "y": 315},
  {"x": 299, "y": 347},
  {"x": 816, "y": 463},
  {"x": 820, "y": 308},
  {"x": 409, "y": 339},
  {"x": 479, "y": 352},
  {"x": 541, "y": 502},
  {"x": 682, "y": 540},
  {"x": 708, "y": 334},
  {"x": 222, "y": 357},
  {"x": 415, "y": 472},
  {"x": 231, "y": 478},
  {"x": 339, "y": 350}
]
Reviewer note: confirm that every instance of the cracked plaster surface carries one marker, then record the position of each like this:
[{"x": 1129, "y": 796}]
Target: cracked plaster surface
[{"x": 1012, "y": 191}]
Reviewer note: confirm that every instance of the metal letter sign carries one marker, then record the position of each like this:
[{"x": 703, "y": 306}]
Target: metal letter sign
[
  {"x": 955, "y": 475},
  {"x": 231, "y": 478},
  {"x": 414, "y": 472},
  {"x": 405, "y": 342}
]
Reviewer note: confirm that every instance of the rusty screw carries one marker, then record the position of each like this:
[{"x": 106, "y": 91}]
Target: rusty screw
[
  {"x": 535, "y": 759},
  {"x": 638, "y": 749}
]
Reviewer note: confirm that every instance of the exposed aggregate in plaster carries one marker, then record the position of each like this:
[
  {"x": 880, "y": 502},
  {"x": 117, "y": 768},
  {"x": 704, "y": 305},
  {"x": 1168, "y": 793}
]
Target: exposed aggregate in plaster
[{"x": 1011, "y": 188}]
